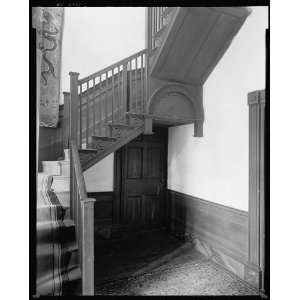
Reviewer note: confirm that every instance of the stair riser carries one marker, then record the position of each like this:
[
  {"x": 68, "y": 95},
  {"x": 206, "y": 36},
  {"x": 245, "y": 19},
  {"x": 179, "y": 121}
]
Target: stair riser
[
  {"x": 58, "y": 168},
  {"x": 51, "y": 167},
  {"x": 61, "y": 184}
]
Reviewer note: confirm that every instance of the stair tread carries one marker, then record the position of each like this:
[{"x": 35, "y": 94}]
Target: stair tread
[
  {"x": 88, "y": 150},
  {"x": 121, "y": 125},
  {"x": 104, "y": 138}
]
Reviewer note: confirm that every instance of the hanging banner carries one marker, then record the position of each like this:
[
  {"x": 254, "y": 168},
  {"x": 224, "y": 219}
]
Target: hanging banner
[{"x": 49, "y": 28}]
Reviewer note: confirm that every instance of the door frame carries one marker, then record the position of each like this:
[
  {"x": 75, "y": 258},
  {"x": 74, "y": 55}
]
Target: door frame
[
  {"x": 117, "y": 185},
  {"x": 257, "y": 212}
]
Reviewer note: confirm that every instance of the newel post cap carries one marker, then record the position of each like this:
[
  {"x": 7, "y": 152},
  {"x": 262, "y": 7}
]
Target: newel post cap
[{"x": 74, "y": 74}]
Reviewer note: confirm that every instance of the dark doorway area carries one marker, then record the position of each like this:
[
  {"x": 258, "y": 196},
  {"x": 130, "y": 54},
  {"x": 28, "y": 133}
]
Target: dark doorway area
[{"x": 140, "y": 181}]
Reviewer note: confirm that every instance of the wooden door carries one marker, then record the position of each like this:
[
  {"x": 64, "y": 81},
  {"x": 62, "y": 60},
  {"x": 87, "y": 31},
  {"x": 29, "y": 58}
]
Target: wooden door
[{"x": 144, "y": 180}]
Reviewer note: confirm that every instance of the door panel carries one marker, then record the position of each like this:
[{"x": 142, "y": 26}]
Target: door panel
[
  {"x": 134, "y": 162},
  {"x": 144, "y": 180},
  {"x": 153, "y": 162},
  {"x": 133, "y": 210}
]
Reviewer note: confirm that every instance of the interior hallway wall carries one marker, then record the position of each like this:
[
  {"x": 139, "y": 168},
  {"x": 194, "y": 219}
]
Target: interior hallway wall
[
  {"x": 215, "y": 167},
  {"x": 94, "y": 38}
]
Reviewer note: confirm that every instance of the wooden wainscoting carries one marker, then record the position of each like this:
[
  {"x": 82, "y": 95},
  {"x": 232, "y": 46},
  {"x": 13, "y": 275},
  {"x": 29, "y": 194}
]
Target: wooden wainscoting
[
  {"x": 219, "y": 232},
  {"x": 103, "y": 212}
]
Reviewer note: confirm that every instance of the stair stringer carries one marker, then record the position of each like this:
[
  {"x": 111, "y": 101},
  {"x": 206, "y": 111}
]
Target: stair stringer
[{"x": 120, "y": 142}]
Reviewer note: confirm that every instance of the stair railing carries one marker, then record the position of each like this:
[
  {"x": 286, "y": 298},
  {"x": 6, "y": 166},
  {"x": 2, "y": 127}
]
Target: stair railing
[
  {"x": 82, "y": 211},
  {"x": 155, "y": 20},
  {"x": 105, "y": 97}
]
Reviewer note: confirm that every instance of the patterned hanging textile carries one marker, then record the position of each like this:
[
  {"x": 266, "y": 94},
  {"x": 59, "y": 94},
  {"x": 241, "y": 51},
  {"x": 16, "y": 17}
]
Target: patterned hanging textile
[{"x": 49, "y": 23}]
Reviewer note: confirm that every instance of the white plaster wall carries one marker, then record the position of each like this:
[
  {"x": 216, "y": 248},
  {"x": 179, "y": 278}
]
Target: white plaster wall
[
  {"x": 94, "y": 38},
  {"x": 215, "y": 167},
  {"x": 100, "y": 177}
]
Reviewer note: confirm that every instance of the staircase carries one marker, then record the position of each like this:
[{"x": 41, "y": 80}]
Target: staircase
[
  {"x": 160, "y": 85},
  {"x": 100, "y": 107},
  {"x": 57, "y": 270}
]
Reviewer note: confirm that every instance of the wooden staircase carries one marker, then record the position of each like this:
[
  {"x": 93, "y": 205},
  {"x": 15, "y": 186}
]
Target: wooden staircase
[
  {"x": 98, "y": 105},
  {"x": 161, "y": 84}
]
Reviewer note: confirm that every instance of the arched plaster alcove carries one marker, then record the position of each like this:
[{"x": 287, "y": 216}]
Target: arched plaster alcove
[{"x": 174, "y": 101}]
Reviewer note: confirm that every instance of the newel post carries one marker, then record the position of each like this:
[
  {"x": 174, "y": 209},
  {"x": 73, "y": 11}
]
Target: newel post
[
  {"x": 67, "y": 120},
  {"x": 87, "y": 217},
  {"x": 74, "y": 105}
]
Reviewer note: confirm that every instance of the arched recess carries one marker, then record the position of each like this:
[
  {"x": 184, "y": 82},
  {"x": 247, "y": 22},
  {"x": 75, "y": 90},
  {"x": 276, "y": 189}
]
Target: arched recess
[{"x": 175, "y": 101}]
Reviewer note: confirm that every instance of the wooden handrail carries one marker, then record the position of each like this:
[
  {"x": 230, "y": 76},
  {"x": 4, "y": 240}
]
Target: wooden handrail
[
  {"x": 78, "y": 171},
  {"x": 83, "y": 216},
  {"x": 106, "y": 96},
  {"x": 115, "y": 65}
]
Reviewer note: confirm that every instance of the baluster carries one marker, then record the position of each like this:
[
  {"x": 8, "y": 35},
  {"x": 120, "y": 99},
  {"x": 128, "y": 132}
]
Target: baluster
[
  {"x": 105, "y": 103},
  {"x": 87, "y": 113},
  {"x": 94, "y": 108},
  {"x": 136, "y": 85},
  {"x": 80, "y": 116},
  {"x": 125, "y": 98},
  {"x": 130, "y": 87},
  {"x": 119, "y": 94},
  {"x": 74, "y": 105},
  {"x": 142, "y": 83},
  {"x": 146, "y": 76},
  {"x": 113, "y": 95},
  {"x": 158, "y": 14},
  {"x": 154, "y": 20},
  {"x": 67, "y": 120},
  {"x": 100, "y": 105}
]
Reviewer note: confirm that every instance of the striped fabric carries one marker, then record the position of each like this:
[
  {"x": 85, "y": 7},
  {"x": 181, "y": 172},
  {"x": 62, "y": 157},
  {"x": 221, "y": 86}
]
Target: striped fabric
[{"x": 56, "y": 247}]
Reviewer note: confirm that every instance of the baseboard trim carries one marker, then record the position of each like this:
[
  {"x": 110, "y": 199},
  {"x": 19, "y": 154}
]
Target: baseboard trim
[{"x": 218, "y": 232}]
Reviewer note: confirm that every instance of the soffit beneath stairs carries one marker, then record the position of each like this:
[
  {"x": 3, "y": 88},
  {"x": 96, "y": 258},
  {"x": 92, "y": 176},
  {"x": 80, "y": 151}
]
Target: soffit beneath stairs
[{"x": 196, "y": 41}]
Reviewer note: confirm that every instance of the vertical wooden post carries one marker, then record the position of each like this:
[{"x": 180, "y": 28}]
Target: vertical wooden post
[
  {"x": 125, "y": 86},
  {"x": 67, "y": 120},
  {"x": 87, "y": 222},
  {"x": 74, "y": 105},
  {"x": 73, "y": 128},
  {"x": 148, "y": 26},
  {"x": 256, "y": 101},
  {"x": 147, "y": 80}
]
